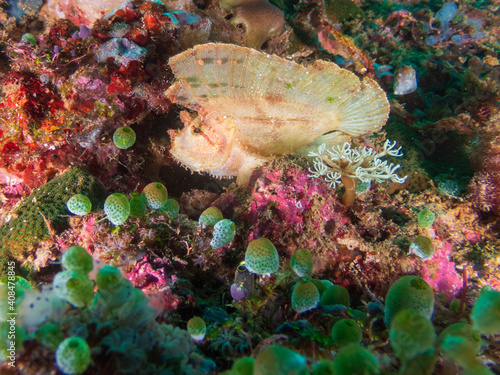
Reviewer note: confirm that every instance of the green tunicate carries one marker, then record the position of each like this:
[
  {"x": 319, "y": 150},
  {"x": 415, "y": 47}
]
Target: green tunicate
[
  {"x": 326, "y": 284},
  {"x": 109, "y": 277},
  {"x": 73, "y": 287},
  {"x": 197, "y": 328},
  {"x": 323, "y": 367},
  {"x": 460, "y": 349},
  {"x": 156, "y": 195},
  {"x": 29, "y": 38},
  {"x": 243, "y": 366},
  {"x": 305, "y": 296},
  {"x": 486, "y": 313},
  {"x": 114, "y": 290},
  {"x": 320, "y": 285},
  {"x": 363, "y": 186},
  {"x": 464, "y": 330},
  {"x": 408, "y": 292},
  {"x": 124, "y": 137},
  {"x": 261, "y": 257},
  {"x": 224, "y": 231},
  {"x": 335, "y": 295},
  {"x": 210, "y": 217},
  {"x": 79, "y": 204},
  {"x": 355, "y": 360},
  {"x": 76, "y": 258},
  {"x": 411, "y": 334},
  {"x": 117, "y": 208},
  {"x": 426, "y": 218},
  {"x": 345, "y": 332},
  {"x": 138, "y": 206},
  {"x": 275, "y": 360},
  {"x": 73, "y": 356},
  {"x": 50, "y": 335},
  {"x": 302, "y": 263},
  {"x": 422, "y": 247},
  {"x": 172, "y": 208}
]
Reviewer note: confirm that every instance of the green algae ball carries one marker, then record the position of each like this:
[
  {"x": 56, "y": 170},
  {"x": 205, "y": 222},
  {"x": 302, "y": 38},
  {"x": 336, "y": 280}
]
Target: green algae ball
[
  {"x": 76, "y": 258},
  {"x": 363, "y": 186},
  {"x": 114, "y": 290},
  {"x": 422, "y": 247},
  {"x": 73, "y": 356},
  {"x": 461, "y": 350},
  {"x": 320, "y": 285},
  {"x": 224, "y": 231},
  {"x": 411, "y": 334},
  {"x": 345, "y": 332},
  {"x": 79, "y": 204},
  {"x": 73, "y": 287},
  {"x": 117, "y": 208},
  {"x": 197, "y": 328},
  {"x": 261, "y": 257},
  {"x": 335, "y": 295},
  {"x": 302, "y": 263},
  {"x": 426, "y": 218},
  {"x": 408, "y": 292},
  {"x": 138, "y": 206},
  {"x": 353, "y": 359},
  {"x": 49, "y": 335},
  {"x": 465, "y": 331},
  {"x": 323, "y": 367},
  {"x": 172, "y": 208},
  {"x": 305, "y": 296},
  {"x": 243, "y": 366},
  {"x": 486, "y": 313},
  {"x": 29, "y": 38},
  {"x": 124, "y": 137},
  {"x": 278, "y": 360},
  {"x": 210, "y": 217},
  {"x": 156, "y": 195},
  {"x": 109, "y": 277}
]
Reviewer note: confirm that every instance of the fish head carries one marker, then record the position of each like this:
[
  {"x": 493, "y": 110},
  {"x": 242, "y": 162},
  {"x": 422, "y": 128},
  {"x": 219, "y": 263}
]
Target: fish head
[{"x": 200, "y": 145}]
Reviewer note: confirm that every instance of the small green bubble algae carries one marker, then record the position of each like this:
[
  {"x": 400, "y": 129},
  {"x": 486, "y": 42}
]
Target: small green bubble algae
[
  {"x": 422, "y": 247},
  {"x": 426, "y": 218}
]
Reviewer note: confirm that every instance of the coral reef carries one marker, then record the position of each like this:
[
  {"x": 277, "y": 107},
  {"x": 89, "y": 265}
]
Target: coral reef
[{"x": 387, "y": 263}]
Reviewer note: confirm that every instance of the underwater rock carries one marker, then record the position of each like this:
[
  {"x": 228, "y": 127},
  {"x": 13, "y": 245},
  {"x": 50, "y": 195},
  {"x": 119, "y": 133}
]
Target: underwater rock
[{"x": 253, "y": 107}]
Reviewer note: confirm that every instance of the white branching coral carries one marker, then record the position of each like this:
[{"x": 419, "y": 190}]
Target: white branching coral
[{"x": 346, "y": 164}]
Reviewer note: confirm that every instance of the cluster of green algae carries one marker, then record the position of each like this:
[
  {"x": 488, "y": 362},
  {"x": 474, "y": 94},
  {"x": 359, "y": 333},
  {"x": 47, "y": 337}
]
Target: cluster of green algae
[
  {"x": 115, "y": 326},
  {"x": 45, "y": 210},
  {"x": 409, "y": 300},
  {"x": 408, "y": 310}
]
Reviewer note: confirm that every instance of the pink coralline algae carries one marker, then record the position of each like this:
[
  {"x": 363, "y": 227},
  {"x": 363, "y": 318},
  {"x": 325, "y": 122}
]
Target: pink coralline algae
[
  {"x": 284, "y": 200},
  {"x": 440, "y": 273},
  {"x": 143, "y": 275}
]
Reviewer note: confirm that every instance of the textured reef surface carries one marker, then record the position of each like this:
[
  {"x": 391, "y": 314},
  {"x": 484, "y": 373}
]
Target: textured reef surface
[{"x": 250, "y": 187}]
